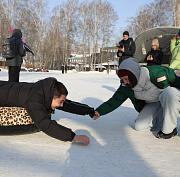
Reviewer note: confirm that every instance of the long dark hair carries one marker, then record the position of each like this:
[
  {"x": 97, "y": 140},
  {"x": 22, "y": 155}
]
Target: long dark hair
[{"x": 132, "y": 80}]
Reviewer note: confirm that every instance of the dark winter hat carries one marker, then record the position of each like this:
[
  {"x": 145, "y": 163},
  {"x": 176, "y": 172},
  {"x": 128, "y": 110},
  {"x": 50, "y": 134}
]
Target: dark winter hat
[
  {"x": 124, "y": 72},
  {"x": 131, "y": 65},
  {"x": 126, "y": 33}
]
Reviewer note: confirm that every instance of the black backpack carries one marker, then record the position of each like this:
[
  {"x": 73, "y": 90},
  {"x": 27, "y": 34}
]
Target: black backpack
[{"x": 9, "y": 48}]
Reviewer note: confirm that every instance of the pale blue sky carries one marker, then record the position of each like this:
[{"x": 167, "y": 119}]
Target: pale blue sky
[{"x": 124, "y": 8}]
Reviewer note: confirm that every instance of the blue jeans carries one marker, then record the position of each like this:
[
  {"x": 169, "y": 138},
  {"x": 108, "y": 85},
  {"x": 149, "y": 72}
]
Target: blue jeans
[{"x": 160, "y": 115}]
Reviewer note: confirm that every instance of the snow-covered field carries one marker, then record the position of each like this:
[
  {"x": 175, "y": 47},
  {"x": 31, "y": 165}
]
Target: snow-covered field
[{"x": 116, "y": 149}]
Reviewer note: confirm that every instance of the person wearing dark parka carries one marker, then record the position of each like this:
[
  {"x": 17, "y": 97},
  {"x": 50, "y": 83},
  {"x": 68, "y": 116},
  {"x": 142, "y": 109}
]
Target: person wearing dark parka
[
  {"x": 40, "y": 99},
  {"x": 15, "y": 63}
]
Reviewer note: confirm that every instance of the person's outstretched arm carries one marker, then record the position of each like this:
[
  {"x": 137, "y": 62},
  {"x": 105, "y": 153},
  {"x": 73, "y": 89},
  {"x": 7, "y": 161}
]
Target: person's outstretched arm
[
  {"x": 43, "y": 120},
  {"x": 119, "y": 97},
  {"x": 77, "y": 108}
]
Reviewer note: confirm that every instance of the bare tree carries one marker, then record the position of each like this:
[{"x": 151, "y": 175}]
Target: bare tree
[
  {"x": 29, "y": 31},
  {"x": 54, "y": 39},
  {"x": 8, "y": 12},
  {"x": 109, "y": 20},
  {"x": 84, "y": 15},
  {"x": 159, "y": 13},
  {"x": 96, "y": 21},
  {"x": 177, "y": 13},
  {"x": 62, "y": 28},
  {"x": 8, "y": 7},
  {"x": 71, "y": 26},
  {"x": 96, "y": 29},
  {"x": 70, "y": 17},
  {"x": 38, "y": 13}
]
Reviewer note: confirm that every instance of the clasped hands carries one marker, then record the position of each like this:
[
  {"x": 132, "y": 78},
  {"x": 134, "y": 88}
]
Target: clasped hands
[
  {"x": 96, "y": 116},
  {"x": 149, "y": 57}
]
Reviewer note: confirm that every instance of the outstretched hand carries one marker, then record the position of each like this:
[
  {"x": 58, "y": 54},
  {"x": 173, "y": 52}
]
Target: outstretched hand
[
  {"x": 96, "y": 116},
  {"x": 82, "y": 138}
]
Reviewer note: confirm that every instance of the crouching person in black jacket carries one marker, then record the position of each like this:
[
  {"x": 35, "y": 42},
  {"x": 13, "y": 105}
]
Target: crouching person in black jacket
[{"x": 40, "y": 99}]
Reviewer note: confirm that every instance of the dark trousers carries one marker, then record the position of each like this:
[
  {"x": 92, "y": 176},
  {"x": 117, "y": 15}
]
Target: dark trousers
[{"x": 14, "y": 73}]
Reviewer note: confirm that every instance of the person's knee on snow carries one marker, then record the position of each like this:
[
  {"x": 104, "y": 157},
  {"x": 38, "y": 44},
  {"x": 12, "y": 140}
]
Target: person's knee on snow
[
  {"x": 138, "y": 126},
  {"x": 141, "y": 127},
  {"x": 168, "y": 95}
]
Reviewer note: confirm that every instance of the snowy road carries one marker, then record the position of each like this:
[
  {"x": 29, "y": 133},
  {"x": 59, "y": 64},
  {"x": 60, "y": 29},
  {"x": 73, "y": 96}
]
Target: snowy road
[{"x": 116, "y": 149}]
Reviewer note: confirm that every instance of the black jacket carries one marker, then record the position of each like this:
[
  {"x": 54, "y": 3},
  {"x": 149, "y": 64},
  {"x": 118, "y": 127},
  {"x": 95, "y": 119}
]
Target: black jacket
[
  {"x": 36, "y": 98},
  {"x": 157, "y": 57},
  {"x": 129, "y": 49},
  {"x": 17, "y": 60}
]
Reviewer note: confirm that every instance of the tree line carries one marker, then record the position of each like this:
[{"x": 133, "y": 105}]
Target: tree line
[
  {"x": 75, "y": 27},
  {"x": 155, "y": 14},
  {"x": 72, "y": 26}
]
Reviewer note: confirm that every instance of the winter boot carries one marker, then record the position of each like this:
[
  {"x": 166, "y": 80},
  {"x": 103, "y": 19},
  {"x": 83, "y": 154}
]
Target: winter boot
[{"x": 166, "y": 136}]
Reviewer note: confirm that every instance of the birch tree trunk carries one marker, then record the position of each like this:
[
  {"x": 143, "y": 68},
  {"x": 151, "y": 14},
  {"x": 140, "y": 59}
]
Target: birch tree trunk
[
  {"x": 70, "y": 23},
  {"x": 8, "y": 8},
  {"x": 177, "y": 13},
  {"x": 38, "y": 9}
]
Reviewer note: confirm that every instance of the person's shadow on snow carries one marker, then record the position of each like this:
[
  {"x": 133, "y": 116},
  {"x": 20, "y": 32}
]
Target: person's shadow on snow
[
  {"x": 83, "y": 157},
  {"x": 109, "y": 88},
  {"x": 110, "y": 150}
]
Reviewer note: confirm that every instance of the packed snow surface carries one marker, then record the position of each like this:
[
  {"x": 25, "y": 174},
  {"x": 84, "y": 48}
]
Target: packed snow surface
[{"x": 115, "y": 150}]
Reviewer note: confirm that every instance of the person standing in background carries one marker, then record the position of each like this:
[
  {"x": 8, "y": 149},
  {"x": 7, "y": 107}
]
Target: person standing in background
[
  {"x": 126, "y": 47},
  {"x": 66, "y": 68},
  {"x": 175, "y": 50},
  {"x": 15, "y": 63},
  {"x": 155, "y": 56},
  {"x": 62, "y": 68}
]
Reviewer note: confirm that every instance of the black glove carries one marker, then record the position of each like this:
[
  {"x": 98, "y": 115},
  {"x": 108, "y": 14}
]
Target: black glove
[{"x": 92, "y": 113}]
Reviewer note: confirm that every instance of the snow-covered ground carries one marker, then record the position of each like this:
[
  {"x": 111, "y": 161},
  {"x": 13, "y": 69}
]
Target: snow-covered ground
[{"x": 116, "y": 149}]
